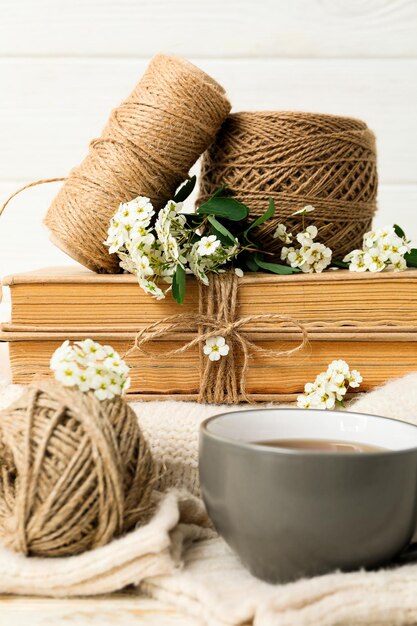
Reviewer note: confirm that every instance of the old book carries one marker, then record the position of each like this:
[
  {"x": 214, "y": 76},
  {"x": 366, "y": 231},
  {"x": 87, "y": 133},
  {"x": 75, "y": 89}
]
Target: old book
[
  {"x": 379, "y": 356},
  {"x": 75, "y": 299},
  {"x": 368, "y": 320}
]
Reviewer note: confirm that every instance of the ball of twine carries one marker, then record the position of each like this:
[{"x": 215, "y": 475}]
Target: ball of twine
[
  {"x": 146, "y": 148},
  {"x": 298, "y": 159},
  {"x": 74, "y": 472}
]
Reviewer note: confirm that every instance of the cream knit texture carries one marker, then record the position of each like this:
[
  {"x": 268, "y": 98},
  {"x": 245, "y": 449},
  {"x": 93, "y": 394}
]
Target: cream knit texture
[{"x": 177, "y": 559}]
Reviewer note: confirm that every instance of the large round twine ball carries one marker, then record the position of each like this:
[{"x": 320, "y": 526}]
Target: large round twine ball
[
  {"x": 75, "y": 472},
  {"x": 146, "y": 148},
  {"x": 297, "y": 159}
]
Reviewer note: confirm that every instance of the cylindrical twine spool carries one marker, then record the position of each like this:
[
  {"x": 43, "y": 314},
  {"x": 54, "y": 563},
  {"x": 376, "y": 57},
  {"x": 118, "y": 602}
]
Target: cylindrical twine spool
[
  {"x": 146, "y": 148},
  {"x": 298, "y": 159},
  {"x": 74, "y": 472}
]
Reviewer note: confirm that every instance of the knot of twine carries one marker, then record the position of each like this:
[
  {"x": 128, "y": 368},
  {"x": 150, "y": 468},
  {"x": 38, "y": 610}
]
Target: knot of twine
[
  {"x": 297, "y": 159},
  {"x": 75, "y": 472},
  {"x": 220, "y": 382}
]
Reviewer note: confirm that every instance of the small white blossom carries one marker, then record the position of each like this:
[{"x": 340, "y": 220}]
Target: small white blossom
[
  {"x": 152, "y": 249},
  {"x": 307, "y": 236},
  {"x": 282, "y": 234},
  {"x": 215, "y": 348},
  {"x": 208, "y": 245},
  {"x": 239, "y": 272},
  {"x": 354, "y": 378},
  {"x": 329, "y": 387},
  {"x": 382, "y": 250},
  {"x": 375, "y": 260},
  {"x": 311, "y": 256},
  {"x": 91, "y": 367},
  {"x": 356, "y": 261},
  {"x": 151, "y": 288}
]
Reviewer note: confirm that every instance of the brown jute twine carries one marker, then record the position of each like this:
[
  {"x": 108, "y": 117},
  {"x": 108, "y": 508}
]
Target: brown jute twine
[
  {"x": 146, "y": 148},
  {"x": 223, "y": 381},
  {"x": 298, "y": 159},
  {"x": 74, "y": 472}
]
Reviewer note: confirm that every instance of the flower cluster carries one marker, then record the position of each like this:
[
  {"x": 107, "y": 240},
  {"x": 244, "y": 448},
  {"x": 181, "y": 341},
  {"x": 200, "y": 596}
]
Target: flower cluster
[
  {"x": 91, "y": 367},
  {"x": 330, "y": 387},
  {"x": 382, "y": 249},
  {"x": 309, "y": 256},
  {"x": 154, "y": 252}
]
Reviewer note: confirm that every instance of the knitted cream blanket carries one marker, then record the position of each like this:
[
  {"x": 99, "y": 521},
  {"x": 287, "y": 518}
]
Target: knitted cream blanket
[{"x": 176, "y": 558}]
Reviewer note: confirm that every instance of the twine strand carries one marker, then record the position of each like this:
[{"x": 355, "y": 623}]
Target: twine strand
[
  {"x": 297, "y": 159},
  {"x": 219, "y": 382},
  {"x": 75, "y": 471},
  {"x": 147, "y": 148},
  {"x": 28, "y": 186}
]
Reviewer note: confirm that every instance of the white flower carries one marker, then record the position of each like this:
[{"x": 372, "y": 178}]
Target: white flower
[
  {"x": 307, "y": 236},
  {"x": 374, "y": 260},
  {"x": 239, "y": 272},
  {"x": 400, "y": 265},
  {"x": 208, "y": 245},
  {"x": 143, "y": 265},
  {"x": 92, "y": 350},
  {"x": 356, "y": 261},
  {"x": 63, "y": 353},
  {"x": 67, "y": 373},
  {"x": 304, "y": 401},
  {"x": 316, "y": 257},
  {"x": 91, "y": 367},
  {"x": 354, "y": 378},
  {"x": 382, "y": 250},
  {"x": 329, "y": 387},
  {"x": 215, "y": 348},
  {"x": 339, "y": 366},
  {"x": 142, "y": 209},
  {"x": 293, "y": 256},
  {"x": 311, "y": 256},
  {"x": 307, "y": 209},
  {"x": 152, "y": 288},
  {"x": 323, "y": 398},
  {"x": 282, "y": 234}
]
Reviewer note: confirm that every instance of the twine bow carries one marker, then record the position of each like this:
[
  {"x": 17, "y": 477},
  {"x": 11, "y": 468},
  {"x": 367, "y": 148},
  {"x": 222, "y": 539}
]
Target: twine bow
[{"x": 219, "y": 382}]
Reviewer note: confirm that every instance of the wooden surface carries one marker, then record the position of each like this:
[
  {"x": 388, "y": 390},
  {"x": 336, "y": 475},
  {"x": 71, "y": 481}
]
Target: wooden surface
[
  {"x": 85, "y": 91},
  {"x": 118, "y": 610},
  {"x": 300, "y": 28}
]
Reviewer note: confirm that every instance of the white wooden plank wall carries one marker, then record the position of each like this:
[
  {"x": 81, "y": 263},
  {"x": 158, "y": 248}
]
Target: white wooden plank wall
[{"x": 65, "y": 63}]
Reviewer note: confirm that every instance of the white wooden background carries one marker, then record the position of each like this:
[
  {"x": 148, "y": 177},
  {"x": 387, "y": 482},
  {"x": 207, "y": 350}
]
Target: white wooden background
[{"x": 65, "y": 63}]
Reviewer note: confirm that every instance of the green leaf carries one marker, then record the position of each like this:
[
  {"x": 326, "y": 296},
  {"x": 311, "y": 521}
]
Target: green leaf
[
  {"x": 411, "y": 258},
  {"x": 224, "y": 207},
  {"x": 262, "y": 218},
  {"x": 218, "y": 192},
  {"x": 185, "y": 190},
  {"x": 221, "y": 231},
  {"x": 178, "y": 284},
  {"x": 275, "y": 268},
  {"x": 250, "y": 263},
  {"x": 341, "y": 264},
  {"x": 399, "y": 231}
]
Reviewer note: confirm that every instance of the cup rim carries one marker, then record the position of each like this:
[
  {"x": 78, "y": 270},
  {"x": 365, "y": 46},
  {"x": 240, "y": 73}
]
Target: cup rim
[{"x": 248, "y": 445}]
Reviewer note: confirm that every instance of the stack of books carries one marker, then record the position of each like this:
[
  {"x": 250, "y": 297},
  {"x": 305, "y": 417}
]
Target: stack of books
[{"x": 369, "y": 320}]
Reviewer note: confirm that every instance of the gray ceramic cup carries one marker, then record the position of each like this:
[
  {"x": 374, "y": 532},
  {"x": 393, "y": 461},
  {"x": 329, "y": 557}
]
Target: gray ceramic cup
[{"x": 292, "y": 513}]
